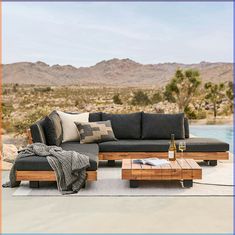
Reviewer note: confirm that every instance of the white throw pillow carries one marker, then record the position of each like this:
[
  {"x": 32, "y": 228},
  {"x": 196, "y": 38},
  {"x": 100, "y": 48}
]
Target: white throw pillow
[{"x": 70, "y": 131}]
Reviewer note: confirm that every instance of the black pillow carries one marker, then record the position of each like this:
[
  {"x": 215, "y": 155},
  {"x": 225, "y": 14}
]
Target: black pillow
[
  {"x": 125, "y": 126},
  {"x": 95, "y": 117},
  {"x": 53, "y": 129},
  {"x": 161, "y": 126},
  {"x": 186, "y": 127}
]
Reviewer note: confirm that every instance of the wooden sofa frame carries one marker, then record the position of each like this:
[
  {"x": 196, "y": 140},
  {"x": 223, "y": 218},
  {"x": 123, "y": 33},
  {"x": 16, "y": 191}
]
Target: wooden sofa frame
[
  {"x": 210, "y": 158},
  {"x": 35, "y": 176},
  {"x": 206, "y": 156}
]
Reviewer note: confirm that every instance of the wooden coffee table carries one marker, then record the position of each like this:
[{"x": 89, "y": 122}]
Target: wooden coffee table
[{"x": 181, "y": 169}]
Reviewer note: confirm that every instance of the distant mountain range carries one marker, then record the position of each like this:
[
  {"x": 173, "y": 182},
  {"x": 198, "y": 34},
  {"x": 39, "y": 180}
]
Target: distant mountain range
[{"x": 115, "y": 72}]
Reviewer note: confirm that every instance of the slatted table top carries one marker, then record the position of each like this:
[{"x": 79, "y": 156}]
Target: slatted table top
[{"x": 179, "y": 169}]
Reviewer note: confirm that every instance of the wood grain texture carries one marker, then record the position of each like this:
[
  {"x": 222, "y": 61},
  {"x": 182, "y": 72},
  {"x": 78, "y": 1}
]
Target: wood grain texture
[
  {"x": 46, "y": 176},
  {"x": 137, "y": 155},
  {"x": 175, "y": 170},
  {"x": 29, "y": 136}
]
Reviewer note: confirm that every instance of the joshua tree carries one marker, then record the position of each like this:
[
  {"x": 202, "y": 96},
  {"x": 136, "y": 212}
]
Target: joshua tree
[
  {"x": 182, "y": 88},
  {"x": 230, "y": 95},
  {"x": 117, "y": 99},
  {"x": 214, "y": 95}
]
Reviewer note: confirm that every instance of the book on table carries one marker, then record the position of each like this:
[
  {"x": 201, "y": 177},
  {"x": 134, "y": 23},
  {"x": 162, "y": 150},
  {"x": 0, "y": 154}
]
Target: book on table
[{"x": 151, "y": 161}]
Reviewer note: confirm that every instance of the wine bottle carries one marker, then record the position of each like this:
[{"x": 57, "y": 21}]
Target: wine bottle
[{"x": 172, "y": 149}]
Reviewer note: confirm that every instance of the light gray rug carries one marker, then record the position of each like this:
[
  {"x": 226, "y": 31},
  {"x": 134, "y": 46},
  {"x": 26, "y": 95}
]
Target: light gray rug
[{"x": 110, "y": 184}]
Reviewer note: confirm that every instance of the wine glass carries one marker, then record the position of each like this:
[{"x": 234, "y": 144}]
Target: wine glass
[{"x": 182, "y": 148}]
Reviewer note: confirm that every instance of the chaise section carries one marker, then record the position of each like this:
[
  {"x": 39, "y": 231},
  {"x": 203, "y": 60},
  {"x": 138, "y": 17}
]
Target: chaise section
[
  {"x": 192, "y": 145},
  {"x": 35, "y": 169},
  {"x": 41, "y": 164}
]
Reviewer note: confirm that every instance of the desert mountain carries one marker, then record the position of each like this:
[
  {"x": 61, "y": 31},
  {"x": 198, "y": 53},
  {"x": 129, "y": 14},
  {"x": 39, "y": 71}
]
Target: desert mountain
[{"x": 117, "y": 72}]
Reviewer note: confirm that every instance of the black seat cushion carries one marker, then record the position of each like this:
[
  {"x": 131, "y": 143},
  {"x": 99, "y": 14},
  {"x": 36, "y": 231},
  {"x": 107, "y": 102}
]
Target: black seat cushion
[
  {"x": 161, "y": 126},
  {"x": 125, "y": 126},
  {"x": 41, "y": 164},
  {"x": 192, "y": 145}
]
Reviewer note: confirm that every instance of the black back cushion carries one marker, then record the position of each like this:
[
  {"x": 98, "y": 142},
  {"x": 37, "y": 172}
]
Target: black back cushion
[
  {"x": 161, "y": 126},
  {"x": 37, "y": 132},
  {"x": 95, "y": 117},
  {"x": 53, "y": 129},
  {"x": 125, "y": 126},
  {"x": 186, "y": 127}
]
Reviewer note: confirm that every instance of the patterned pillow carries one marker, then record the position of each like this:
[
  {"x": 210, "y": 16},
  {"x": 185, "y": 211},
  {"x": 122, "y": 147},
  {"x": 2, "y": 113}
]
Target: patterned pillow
[{"x": 95, "y": 132}]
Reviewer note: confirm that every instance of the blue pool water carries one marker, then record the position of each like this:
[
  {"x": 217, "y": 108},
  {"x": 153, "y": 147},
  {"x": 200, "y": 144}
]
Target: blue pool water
[{"x": 221, "y": 132}]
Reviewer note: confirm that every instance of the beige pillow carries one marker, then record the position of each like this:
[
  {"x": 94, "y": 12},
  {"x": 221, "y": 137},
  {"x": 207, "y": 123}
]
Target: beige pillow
[{"x": 70, "y": 131}]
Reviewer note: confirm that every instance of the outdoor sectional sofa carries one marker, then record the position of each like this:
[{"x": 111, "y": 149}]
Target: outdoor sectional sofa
[{"x": 139, "y": 135}]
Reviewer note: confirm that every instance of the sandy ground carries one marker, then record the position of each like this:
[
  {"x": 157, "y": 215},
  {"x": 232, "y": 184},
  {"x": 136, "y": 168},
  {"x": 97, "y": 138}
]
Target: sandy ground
[{"x": 116, "y": 214}]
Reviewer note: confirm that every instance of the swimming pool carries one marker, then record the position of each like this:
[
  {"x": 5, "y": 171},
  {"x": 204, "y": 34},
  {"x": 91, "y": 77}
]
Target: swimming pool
[{"x": 221, "y": 132}]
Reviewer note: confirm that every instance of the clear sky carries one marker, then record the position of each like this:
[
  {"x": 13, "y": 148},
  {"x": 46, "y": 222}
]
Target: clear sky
[{"x": 82, "y": 34}]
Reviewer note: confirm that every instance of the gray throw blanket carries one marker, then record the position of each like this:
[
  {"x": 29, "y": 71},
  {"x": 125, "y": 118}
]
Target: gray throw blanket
[{"x": 69, "y": 166}]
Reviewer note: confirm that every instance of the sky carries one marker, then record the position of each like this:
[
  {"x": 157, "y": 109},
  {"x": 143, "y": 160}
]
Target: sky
[{"x": 85, "y": 33}]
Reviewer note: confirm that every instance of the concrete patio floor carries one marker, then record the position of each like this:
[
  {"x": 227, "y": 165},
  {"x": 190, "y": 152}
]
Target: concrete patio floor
[{"x": 116, "y": 214}]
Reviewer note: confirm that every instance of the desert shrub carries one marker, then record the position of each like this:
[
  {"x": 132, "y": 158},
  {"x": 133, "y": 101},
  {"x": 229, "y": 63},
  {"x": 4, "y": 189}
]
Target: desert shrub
[
  {"x": 7, "y": 125},
  {"x": 42, "y": 89},
  {"x": 194, "y": 114},
  {"x": 140, "y": 98},
  {"x": 117, "y": 99},
  {"x": 190, "y": 114},
  {"x": 31, "y": 117},
  {"x": 156, "y": 98},
  {"x": 6, "y": 90},
  {"x": 7, "y": 109},
  {"x": 226, "y": 110},
  {"x": 201, "y": 114},
  {"x": 77, "y": 103},
  {"x": 15, "y": 87}
]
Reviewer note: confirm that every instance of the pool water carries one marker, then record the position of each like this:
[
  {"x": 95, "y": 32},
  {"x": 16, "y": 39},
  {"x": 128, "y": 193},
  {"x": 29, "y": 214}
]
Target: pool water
[{"x": 220, "y": 132}]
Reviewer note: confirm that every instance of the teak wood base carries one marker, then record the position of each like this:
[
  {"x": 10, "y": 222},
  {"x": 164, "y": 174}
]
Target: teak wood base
[
  {"x": 210, "y": 156},
  {"x": 34, "y": 176}
]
